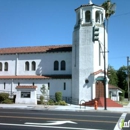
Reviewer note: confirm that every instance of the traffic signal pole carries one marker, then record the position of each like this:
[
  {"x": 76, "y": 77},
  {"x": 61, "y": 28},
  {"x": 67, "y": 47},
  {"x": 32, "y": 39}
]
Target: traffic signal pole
[{"x": 105, "y": 102}]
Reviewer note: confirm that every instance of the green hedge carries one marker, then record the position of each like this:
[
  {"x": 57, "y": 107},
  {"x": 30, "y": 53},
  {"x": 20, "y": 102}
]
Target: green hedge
[
  {"x": 41, "y": 99},
  {"x": 3, "y": 96},
  {"x": 58, "y": 96},
  {"x": 7, "y": 101}
]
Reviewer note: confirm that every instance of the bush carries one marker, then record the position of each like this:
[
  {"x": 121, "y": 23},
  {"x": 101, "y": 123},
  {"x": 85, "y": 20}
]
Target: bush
[
  {"x": 58, "y": 96},
  {"x": 7, "y": 101},
  {"x": 57, "y": 103},
  {"x": 51, "y": 102},
  {"x": 62, "y": 103},
  {"x": 121, "y": 98},
  {"x": 41, "y": 99},
  {"x": 3, "y": 96}
]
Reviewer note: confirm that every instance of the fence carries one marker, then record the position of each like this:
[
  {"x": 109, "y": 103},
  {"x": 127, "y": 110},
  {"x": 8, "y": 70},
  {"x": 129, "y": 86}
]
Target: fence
[{"x": 68, "y": 100}]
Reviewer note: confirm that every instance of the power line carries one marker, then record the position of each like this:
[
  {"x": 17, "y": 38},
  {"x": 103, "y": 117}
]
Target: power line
[
  {"x": 121, "y": 57},
  {"x": 121, "y": 14}
]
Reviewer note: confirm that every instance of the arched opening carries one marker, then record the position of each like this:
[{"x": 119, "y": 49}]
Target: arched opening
[
  {"x": 99, "y": 87},
  {"x": 62, "y": 65},
  {"x": 6, "y": 66},
  {"x": 56, "y": 65},
  {"x": 98, "y": 17},
  {"x": 78, "y": 18},
  {"x": 0, "y": 66},
  {"x": 87, "y": 16},
  {"x": 27, "y": 66},
  {"x": 33, "y": 65}
]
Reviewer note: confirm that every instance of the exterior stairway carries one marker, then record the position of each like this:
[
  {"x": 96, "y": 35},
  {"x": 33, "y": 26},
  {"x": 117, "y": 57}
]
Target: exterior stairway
[{"x": 109, "y": 102}]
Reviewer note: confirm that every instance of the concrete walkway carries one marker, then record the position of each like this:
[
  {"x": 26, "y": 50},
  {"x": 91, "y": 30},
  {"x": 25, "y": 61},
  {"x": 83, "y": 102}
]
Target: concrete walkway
[{"x": 65, "y": 108}]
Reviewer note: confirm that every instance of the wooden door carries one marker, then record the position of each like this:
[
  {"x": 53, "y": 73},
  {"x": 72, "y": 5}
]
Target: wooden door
[{"x": 99, "y": 89}]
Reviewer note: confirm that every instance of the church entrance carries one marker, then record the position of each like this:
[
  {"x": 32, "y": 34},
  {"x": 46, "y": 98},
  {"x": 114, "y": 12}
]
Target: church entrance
[{"x": 99, "y": 89}]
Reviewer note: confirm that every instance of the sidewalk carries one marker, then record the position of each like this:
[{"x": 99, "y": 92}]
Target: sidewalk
[{"x": 65, "y": 108}]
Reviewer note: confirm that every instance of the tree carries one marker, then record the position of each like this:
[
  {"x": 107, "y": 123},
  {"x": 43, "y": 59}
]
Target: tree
[
  {"x": 112, "y": 75},
  {"x": 109, "y": 8},
  {"x": 122, "y": 76},
  {"x": 43, "y": 90}
]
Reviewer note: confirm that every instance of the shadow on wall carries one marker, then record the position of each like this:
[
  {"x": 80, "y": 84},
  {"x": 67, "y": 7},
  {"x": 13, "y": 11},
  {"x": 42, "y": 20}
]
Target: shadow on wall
[
  {"x": 88, "y": 82},
  {"x": 39, "y": 70}
]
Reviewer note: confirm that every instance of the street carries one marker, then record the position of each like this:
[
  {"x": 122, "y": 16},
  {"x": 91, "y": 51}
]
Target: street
[{"x": 11, "y": 119}]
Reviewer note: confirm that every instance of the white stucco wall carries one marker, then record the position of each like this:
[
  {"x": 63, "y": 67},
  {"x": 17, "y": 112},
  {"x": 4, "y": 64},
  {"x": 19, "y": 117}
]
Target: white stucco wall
[
  {"x": 44, "y": 63},
  {"x": 31, "y": 100},
  {"x": 87, "y": 53},
  {"x": 55, "y": 85}
]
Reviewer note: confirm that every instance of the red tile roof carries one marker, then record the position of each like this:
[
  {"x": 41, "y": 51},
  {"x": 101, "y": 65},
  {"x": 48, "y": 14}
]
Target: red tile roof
[
  {"x": 97, "y": 72},
  {"x": 36, "y": 49},
  {"x": 26, "y": 87},
  {"x": 113, "y": 87},
  {"x": 22, "y": 77},
  {"x": 36, "y": 77}
]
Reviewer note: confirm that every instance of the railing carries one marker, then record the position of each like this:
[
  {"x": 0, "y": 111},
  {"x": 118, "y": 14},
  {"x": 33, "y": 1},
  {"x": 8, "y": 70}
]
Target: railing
[
  {"x": 68, "y": 100},
  {"x": 81, "y": 103}
]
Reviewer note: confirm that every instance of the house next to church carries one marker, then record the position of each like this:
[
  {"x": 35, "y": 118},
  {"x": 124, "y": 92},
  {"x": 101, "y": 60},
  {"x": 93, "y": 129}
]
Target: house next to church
[{"x": 76, "y": 70}]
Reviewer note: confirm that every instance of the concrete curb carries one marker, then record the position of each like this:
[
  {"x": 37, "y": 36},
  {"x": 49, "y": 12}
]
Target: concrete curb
[{"x": 74, "y": 108}]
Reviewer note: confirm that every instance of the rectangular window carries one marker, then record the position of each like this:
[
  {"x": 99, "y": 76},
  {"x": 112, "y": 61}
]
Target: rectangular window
[
  {"x": 33, "y": 83},
  {"x": 25, "y": 94},
  {"x": 64, "y": 86},
  {"x": 18, "y": 83},
  {"x": 48, "y": 86},
  {"x": 4, "y": 85}
]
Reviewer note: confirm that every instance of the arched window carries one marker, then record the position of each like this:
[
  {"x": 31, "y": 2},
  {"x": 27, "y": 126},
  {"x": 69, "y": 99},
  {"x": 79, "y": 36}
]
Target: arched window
[
  {"x": 0, "y": 66},
  {"x": 101, "y": 17},
  {"x": 78, "y": 18},
  {"x": 6, "y": 66},
  {"x": 33, "y": 65},
  {"x": 87, "y": 16},
  {"x": 97, "y": 17},
  {"x": 56, "y": 65},
  {"x": 27, "y": 66},
  {"x": 62, "y": 65}
]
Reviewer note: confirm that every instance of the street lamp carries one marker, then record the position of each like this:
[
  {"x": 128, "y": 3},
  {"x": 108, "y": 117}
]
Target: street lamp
[{"x": 128, "y": 77}]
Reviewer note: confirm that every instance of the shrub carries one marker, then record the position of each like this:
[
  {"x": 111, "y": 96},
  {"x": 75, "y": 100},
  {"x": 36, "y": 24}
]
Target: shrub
[
  {"x": 3, "y": 96},
  {"x": 62, "y": 103},
  {"x": 121, "y": 98},
  {"x": 57, "y": 103},
  {"x": 51, "y": 102},
  {"x": 7, "y": 101},
  {"x": 58, "y": 96},
  {"x": 41, "y": 99}
]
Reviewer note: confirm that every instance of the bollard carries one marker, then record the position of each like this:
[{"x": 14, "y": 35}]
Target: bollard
[{"x": 95, "y": 105}]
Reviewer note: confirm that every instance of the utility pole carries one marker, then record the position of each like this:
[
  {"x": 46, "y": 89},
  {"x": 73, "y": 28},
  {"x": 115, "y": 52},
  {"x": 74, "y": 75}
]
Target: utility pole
[{"x": 128, "y": 76}]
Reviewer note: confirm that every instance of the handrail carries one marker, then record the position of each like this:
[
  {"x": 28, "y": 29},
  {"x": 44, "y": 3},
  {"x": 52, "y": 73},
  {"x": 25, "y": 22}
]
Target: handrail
[{"x": 80, "y": 103}]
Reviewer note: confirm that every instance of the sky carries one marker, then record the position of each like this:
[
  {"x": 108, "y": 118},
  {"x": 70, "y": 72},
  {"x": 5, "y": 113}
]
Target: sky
[{"x": 51, "y": 22}]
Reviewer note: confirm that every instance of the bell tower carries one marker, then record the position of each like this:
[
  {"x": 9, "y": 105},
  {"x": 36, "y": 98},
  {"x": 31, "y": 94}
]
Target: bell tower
[{"x": 87, "y": 50}]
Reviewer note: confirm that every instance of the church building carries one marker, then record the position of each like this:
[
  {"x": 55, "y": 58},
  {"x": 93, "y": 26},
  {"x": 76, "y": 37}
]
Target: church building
[{"x": 76, "y": 70}]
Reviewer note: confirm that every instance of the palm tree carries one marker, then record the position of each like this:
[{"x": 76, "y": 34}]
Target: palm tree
[{"x": 109, "y": 9}]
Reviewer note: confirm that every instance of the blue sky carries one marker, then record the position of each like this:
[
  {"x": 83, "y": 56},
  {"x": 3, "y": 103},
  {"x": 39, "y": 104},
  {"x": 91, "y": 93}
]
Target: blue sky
[{"x": 51, "y": 22}]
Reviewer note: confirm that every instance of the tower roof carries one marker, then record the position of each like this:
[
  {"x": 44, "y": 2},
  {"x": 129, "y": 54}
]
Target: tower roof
[{"x": 89, "y": 4}]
